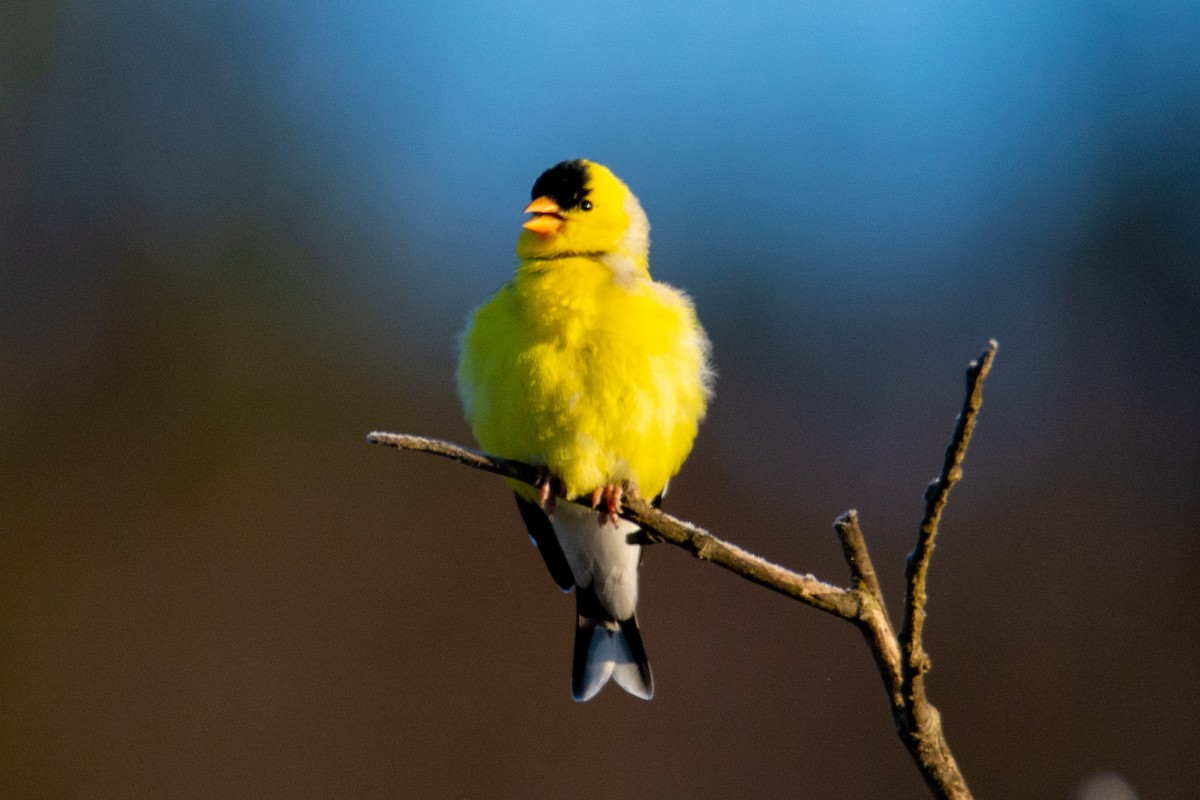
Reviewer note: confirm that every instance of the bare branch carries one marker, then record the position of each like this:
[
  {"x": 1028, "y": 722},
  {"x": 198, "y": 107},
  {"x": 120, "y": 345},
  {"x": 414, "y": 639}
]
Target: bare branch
[
  {"x": 658, "y": 527},
  {"x": 901, "y": 660},
  {"x": 854, "y": 547},
  {"x": 463, "y": 455},
  {"x": 916, "y": 662},
  {"x": 703, "y": 545},
  {"x": 918, "y": 721},
  {"x": 873, "y": 620}
]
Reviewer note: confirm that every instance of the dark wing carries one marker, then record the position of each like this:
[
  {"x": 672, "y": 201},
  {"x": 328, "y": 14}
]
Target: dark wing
[{"x": 542, "y": 532}]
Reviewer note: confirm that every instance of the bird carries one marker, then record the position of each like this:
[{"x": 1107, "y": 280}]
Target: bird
[{"x": 585, "y": 367}]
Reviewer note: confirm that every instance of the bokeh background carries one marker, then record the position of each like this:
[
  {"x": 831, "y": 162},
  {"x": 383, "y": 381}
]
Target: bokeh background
[{"x": 236, "y": 237}]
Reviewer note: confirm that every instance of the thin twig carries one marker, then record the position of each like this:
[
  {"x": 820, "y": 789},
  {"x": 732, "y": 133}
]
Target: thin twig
[
  {"x": 463, "y": 455},
  {"x": 873, "y": 620},
  {"x": 854, "y": 547},
  {"x": 916, "y": 660},
  {"x": 917, "y": 719},
  {"x": 658, "y": 527}
]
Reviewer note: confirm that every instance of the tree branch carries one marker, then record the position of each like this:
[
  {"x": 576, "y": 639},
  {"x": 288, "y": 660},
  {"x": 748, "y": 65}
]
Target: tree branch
[
  {"x": 936, "y": 495},
  {"x": 901, "y": 660},
  {"x": 658, "y": 527},
  {"x": 918, "y": 720}
]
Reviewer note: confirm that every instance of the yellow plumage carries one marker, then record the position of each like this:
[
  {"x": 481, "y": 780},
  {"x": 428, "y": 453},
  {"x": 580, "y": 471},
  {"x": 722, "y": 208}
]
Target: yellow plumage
[
  {"x": 583, "y": 365},
  {"x": 600, "y": 383}
]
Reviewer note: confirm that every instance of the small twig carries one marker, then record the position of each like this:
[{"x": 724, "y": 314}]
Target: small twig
[
  {"x": 463, "y": 455},
  {"x": 873, "y": 620},
  {"x": 854, "y": 547},
  {"x": 916, "y": 660},
  {"x": 918, "y": 721}
]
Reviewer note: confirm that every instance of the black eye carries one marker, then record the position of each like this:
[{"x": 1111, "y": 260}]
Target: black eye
[{"x": 586, "y": 205}]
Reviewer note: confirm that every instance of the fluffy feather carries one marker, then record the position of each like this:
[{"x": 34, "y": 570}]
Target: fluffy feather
[{"x": 583, "y": 365}]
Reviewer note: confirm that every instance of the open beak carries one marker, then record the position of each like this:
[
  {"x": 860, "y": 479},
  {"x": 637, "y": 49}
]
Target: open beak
[{"x": 547, "y": 216}]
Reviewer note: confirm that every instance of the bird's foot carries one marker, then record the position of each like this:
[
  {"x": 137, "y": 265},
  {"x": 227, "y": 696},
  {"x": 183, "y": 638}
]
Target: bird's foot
[
  {"x": 607, "y": 499},
  {"x": 548, "y": 488}
]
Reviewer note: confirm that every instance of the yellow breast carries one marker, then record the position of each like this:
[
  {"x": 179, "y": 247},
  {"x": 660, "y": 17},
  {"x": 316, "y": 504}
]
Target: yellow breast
[{"x": 600, "y": 375}]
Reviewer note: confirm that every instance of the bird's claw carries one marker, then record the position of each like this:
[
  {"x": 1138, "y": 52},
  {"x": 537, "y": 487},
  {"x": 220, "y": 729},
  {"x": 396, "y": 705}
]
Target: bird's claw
[
  {"x": 545, "y": 483},
  {"x": 607, "y": 499}
]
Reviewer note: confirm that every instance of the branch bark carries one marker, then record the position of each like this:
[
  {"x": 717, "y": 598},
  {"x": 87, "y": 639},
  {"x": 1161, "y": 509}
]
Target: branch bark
[
  {"x": 901, "y": 659},
  {"x": 919, "y": 722},
  {"x": 657, "y": 526}
]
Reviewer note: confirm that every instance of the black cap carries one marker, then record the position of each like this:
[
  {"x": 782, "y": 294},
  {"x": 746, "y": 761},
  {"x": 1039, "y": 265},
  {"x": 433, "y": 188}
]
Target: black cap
[{"x": 565, "y": 183}]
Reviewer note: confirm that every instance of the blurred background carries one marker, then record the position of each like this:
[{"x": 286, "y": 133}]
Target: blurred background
[{"x": 234, "y": 238}]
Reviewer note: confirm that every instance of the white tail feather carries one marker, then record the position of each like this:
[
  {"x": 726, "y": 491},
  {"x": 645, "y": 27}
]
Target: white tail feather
[{"x": 609, "y": 656}]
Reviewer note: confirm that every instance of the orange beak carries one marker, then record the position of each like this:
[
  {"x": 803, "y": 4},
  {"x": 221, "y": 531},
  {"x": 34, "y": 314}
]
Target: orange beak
[{"x": 547, "y": 216}]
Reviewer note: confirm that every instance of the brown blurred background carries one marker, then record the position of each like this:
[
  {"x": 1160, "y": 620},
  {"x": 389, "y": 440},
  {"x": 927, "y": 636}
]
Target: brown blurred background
[{"x": 235, "y": 240}]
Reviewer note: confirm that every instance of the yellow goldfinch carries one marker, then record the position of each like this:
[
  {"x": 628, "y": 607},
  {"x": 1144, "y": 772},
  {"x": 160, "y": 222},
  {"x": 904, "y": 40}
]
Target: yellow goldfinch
[{"x": 585, "y": 367}]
